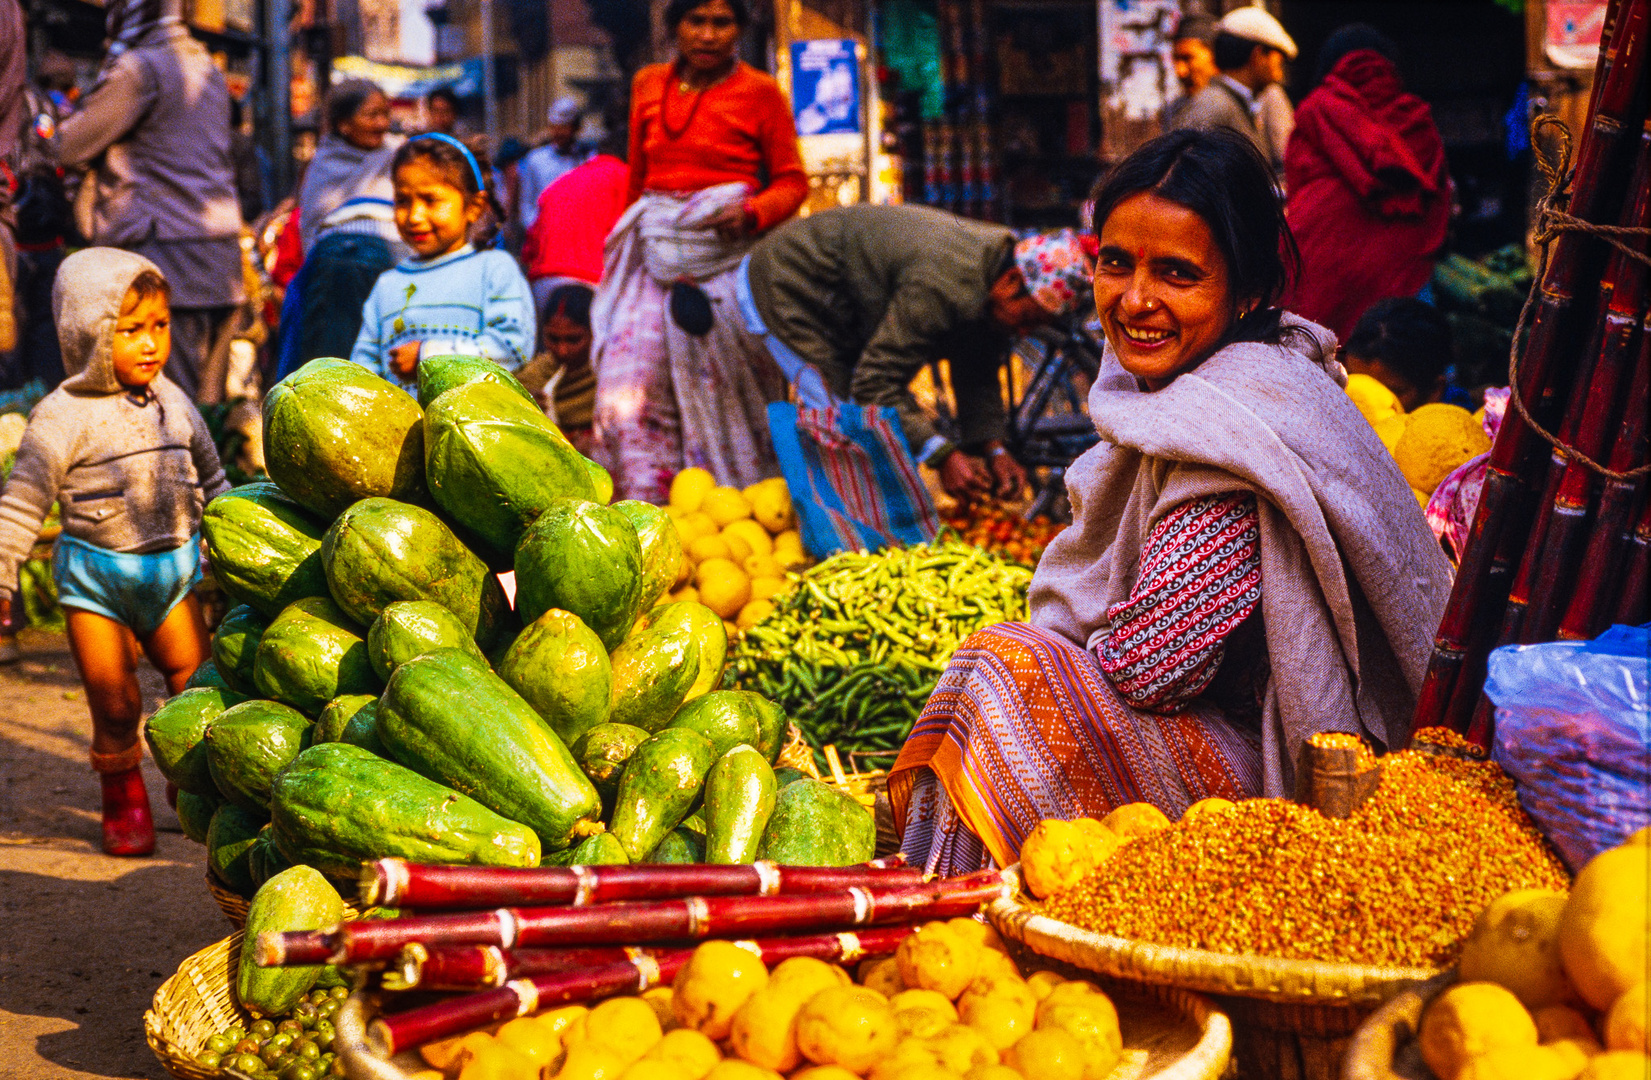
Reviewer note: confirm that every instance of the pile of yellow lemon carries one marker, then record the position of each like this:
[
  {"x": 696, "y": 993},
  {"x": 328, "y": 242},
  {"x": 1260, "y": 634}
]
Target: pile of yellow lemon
[
  {"x": 949, "y": 1005},
  {"x": 1428, "y": 444},
  {"x": 737, "y": 545},
  {"x": 1059, "y": 854},
  {"x": 1552, "y": 986}
]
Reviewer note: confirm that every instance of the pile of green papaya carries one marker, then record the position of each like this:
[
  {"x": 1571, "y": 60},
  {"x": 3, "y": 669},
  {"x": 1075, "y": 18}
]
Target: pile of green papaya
[{"x": 375, "y": 692}]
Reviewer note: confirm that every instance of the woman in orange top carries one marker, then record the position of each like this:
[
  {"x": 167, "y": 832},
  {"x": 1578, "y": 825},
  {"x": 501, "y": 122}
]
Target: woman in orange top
[{"x": 713, "y": 164}]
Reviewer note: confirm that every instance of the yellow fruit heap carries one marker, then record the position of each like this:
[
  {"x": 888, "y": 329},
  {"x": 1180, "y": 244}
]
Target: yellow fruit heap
[
  {"x": 737, "y": 545},
  {"x": 1552, "y": 987},
  {"x": 949, "y": 1005},
  {"x": 1428, "y": 444},
  {"x": 1398, "y": 882}
]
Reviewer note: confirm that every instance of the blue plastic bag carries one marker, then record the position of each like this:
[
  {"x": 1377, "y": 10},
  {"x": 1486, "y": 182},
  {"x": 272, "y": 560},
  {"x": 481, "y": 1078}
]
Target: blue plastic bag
[{"x": 1573, "y": 729}]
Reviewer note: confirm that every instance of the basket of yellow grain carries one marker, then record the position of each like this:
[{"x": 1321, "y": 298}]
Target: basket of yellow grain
[{"x": 1300, "y": 923}]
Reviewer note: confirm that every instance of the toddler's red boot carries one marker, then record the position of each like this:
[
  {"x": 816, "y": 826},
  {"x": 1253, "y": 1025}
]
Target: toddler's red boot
[{"x": 128, "y": 826}]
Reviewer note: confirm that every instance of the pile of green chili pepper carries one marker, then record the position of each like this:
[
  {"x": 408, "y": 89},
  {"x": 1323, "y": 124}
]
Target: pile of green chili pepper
[{"x": 854, "y": 649}]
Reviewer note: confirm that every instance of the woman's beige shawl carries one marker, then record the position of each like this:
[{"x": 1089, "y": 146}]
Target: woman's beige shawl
[{"x": 1353, "y": 583}]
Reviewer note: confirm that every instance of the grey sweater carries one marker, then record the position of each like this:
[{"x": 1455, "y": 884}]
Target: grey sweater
[{"x": 131, "y": 469}]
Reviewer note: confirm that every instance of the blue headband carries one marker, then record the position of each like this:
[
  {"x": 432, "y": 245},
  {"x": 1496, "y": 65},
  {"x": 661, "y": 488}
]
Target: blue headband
[{"x": 469, "y": 158}]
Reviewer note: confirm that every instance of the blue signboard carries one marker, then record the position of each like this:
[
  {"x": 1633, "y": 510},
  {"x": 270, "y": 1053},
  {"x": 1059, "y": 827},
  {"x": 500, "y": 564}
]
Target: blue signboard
[{"x": 825, "y": 87}]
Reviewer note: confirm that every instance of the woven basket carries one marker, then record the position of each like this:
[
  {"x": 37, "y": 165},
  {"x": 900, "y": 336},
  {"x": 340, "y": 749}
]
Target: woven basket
[
  {"x": 230, "y": 902},
  {"x": 194, "y": 1004},
  {"x": 863, "y": 787},
  {"x": 1292, "y": 1019},
  {"x": 1384, "y": 1047}
]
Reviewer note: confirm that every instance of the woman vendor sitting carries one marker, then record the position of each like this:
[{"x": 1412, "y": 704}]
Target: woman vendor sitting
[{"x": 1246, "y": 565}]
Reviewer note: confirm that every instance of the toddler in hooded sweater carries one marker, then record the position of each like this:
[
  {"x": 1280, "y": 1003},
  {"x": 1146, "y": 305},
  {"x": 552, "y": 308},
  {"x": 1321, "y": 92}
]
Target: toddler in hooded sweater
[{"x": 130, "y": 461}]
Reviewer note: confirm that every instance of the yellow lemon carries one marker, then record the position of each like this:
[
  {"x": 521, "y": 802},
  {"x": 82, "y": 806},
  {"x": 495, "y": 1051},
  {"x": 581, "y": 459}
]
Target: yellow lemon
[
  {"x": 446, "y": 1054},
  {"x": 495, "y": 1060},
  {"x": 533, "y": 1038},
  {"x": 1093, "y": 1021},
  {"x": 984, "y": 933},
  {"x": 938, "y": 958},
  {"x": 924, "y": 999},
  {"x": 723, "y": 587},
  {"x": 961, "y": 1048},
  {"x": 755, "y": 536},
  {"x": 739, "y": 549},
  {"x": 1561, "y": 1023},
  {"x": 689, "y": 488},
  {"x": 1056, "y": 856},
  {"x": 1617, "y": 1065},
  {"x": 687, "y": 593},
  {"x": 653, "y": 1069},
  {"x": 1072, "y": 990},
  {"x": 693, "y": 526},
  {"x": 806, "y": 976},
  {"x": 789, "y": 540},
  {"x": 627, "y": 1024},
  {"x": 1000, "y": 1009},
  {"x": 725, "y": 504},
  {"x": 692, "y": 1052},
  {"x": 764, "y": 588},
  {"x": 1436, "y": 440},
  {"x": 752, "y": 614},
  {"x": 1047, "y": 1054},
  {"x": 1041, "y": 982},
  {"x": 1373, "y": 398},
  {"x": 823, "y": 1072},
  {"x": 765, "y": 1030},
  {"x": 763, "y": 566},
  {"x": 908, "y": 1056},
  {"x": 882, "y": 976},
  {"x": 771, "y": 506},
  {"x": 848, "y": 1026},
  {"x": 922, "y": 1013},
  {"x": 1135, "y": 819},
  {"x": 1515, "y": 943},
  {"x": 1639, "y": 838},
  {"x": 1390, "y": 430},
  {"x": 1625, "y": 1021},
  {"x": 592, "y": 1060},
  {"x": 659, "y": 999},
  {"x": 1471, "y": 1019},
  {"x": 735, "y": 1069},
  {"x": 730, "y": 630},
  {"x": 684, "y": 569},
  {"x": 1603, "y": 929},
  {"x": 1522, "y": 1063},
  {"x": 709, "y": 547},
  {"x": 712, "y": 986},
  {"x": 992, "y": 1072},
  {"x": 996, "y": 965},
  {"x": 1206, "y": 806}
]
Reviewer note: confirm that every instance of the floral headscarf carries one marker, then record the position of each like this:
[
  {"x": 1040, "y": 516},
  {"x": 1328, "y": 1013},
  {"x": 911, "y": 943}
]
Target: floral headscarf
[{"x": 1057, "y": 270}]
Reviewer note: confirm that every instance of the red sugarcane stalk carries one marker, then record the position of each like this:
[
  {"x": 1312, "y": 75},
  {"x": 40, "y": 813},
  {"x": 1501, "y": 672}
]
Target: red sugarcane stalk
[
  {"x": 396, "y": 883},
  {"x": 686, "y": 919},
  {"x": 1636, "y": 575},
  {"x": 476, "y": 967}
]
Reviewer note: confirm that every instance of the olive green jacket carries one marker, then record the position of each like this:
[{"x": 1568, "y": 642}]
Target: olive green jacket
[{"x": 870, "y": 294}]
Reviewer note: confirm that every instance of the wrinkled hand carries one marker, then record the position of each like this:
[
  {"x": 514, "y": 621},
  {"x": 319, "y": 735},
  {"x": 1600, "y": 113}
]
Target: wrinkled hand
[
  {"x": 404, "y": 360},
  {"x": 963, "y": 477},
  {"x": 732, "y": 222},
  {"x": 1010, "y": 477}
]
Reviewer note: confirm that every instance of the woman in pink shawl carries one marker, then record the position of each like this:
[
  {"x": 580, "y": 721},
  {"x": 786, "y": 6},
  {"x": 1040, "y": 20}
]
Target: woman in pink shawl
[{"x": 1245, "y": 567}]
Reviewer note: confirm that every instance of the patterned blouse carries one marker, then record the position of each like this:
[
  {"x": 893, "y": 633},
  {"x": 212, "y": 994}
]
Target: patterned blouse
[{"x": 1200, "y": 578}]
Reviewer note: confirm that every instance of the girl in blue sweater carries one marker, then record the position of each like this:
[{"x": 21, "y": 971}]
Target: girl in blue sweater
[{"x": 449, "y": 297}]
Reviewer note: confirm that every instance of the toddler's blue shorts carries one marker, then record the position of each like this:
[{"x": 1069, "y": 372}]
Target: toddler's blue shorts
[{"x": 137, "y": 591}]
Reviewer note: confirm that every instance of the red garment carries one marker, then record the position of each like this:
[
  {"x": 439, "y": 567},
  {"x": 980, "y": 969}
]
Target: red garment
[
  {"x": 1369, "y": 194},
  {"x": 289, "y": 252},
  {"x": 576, "y": 213},
  {"x": 740, "y": 129}
]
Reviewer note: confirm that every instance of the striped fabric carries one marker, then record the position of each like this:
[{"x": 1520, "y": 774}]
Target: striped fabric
[
  {"x": 1200, "y": 577},
  {"x": 1023, "y": 726},
  {"x": 852, "y": 478}
]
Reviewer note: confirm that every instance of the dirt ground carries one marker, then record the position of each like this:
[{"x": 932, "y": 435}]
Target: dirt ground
[{"x": 85, "y": 939}]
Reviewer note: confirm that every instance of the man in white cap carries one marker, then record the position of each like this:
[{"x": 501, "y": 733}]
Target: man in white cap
[
  {"x": 545, "y": 165},
  {"x": 1250, "y": 49}
]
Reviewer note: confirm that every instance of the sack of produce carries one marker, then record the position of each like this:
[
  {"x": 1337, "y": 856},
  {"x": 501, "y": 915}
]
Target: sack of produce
[
  {"x": 447, "y": 717},
  {"x": 652, "y": 673},
  {"x": 661, "y": 548},
  {"x": 494, "y": 462},
  {"x": 380, "y": 551},
  {"x": 248, "y": 745},
  {"x": 439, "y": 374},
  {"x": 560, "y": 667},
  {"x": 660, "y": 784},
  {"x": 335, "y": 433},
  {"x": 338, "y": 806},
  {"x": 409, "y": 628},
  {"x": 235, "y": 647},
  {"x": 295, "y": 899},
  {"x": 583, "y": 558},
  {"x": 814, "y": 824},
  {"x": 265, "y": 548},
  {"x": 311, "y": 654},
  {"x": 176, "y": 735}
]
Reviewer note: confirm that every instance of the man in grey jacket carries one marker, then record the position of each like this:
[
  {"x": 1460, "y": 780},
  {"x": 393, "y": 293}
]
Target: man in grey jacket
[
  {"x": 1246, "y": 94},
  {"x": 155, "y": 131}
]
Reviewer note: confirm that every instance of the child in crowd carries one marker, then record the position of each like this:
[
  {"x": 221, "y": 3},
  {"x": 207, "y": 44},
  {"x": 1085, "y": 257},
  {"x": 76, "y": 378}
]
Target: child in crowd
[
  {"x": 561, "y": 376},
  {"x": 449, "y": 297},
  {"x": 1405, "y": 345},
  {"x": 131, "y": 462}
]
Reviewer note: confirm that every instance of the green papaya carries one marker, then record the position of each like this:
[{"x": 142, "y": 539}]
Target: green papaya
[
  {"x": 726, "y": 718},
  {"x": 710, "y": 635},
  {"x": 329, "y": 726},
  {"x": 659, "y": 786},
  {"x": 195, "y": 813},
  {"x": 447, "y": 717},
  {"x": 298, "y": 898},
  {"x": 814, "y": 824},
  {"x": 362, "y": 731},
  {"x": 311, "y": 654},
  {"x": 207, "y": 675},
  {"x": 439, "y": 374},
  {"x": 652, "y": 672},
  {"x": 248, "y": 744},
  {"x": 679, "y": 847},
  {"x": 739, "y": 799},
  {"x": 602, "y": 752},
  {"x": 560, "y": 667},
  {"x": 265, "y": 548},
  {"x": 335, "y": 433},
  {"x": 599, "y": 850},
  {"x": 235, "y": 647},
  {"x": 409, "y": 628},
  {"x": 601, "y": 480},
  {"x": 265, "y": 859},
  {"x": 176, "y": 735},
  {"x": 785, "y": 775},
  {"x": 338, "y": 806},
  {"x": 661, "y": 547},
  {"x": 380, "y": 551},
  {"x": 229, "y": 839},
  {"x": 695, "y": 822},
  {"x": 583, "y": 558}
]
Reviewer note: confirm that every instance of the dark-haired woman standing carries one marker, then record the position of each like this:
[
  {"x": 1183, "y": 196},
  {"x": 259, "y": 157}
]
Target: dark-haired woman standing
[
  {"x": 1246, "y": 566},
  {"x": 713, "y": 164}
]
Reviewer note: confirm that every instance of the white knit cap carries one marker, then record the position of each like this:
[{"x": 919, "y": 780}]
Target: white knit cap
[
  {"x": 1254, "y": 24},
  {"x": 566, "y": 110}
]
